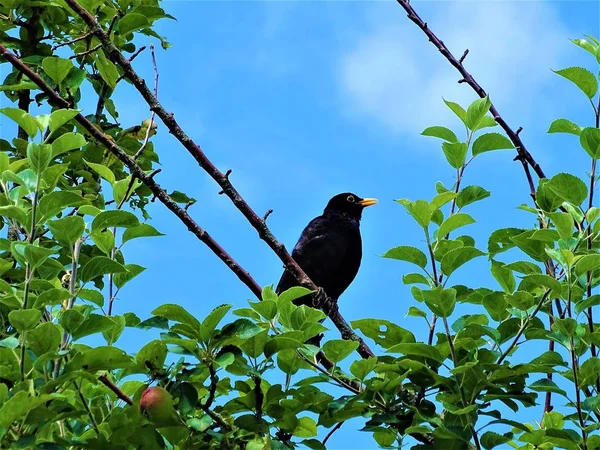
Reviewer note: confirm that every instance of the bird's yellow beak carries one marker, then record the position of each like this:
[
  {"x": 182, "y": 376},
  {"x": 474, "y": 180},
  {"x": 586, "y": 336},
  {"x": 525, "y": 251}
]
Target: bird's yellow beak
[{"x": 368, "y": 201}]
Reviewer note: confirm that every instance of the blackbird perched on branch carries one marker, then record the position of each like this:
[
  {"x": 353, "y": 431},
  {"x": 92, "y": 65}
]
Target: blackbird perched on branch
[{"x": 330, "y": 247}]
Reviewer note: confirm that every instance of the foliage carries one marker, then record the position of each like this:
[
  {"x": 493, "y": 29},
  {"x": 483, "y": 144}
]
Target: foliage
[{"x": 69, "y": 207}]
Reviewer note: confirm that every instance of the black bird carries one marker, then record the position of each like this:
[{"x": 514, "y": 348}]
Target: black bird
[{"x": 330, "y": 247}]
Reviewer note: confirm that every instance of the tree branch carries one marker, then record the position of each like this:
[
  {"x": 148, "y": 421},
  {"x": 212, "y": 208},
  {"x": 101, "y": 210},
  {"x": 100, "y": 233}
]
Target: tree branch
[
  {"x": 222, "y": 179},
  {"x": 113, "y": 387},
  {"x": 136, "y": 171},
  {"x": 523, "y": 154}
]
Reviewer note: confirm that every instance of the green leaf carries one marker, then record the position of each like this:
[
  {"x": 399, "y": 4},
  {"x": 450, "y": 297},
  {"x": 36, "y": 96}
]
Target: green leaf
[
  {"x": 385, "y": 437},
  {"x": 61, "y": 116},
  {"x": 152, "y": 355},
  {"x": 568, "y": 187},
  {"x": 490, "y": 440},
  {"x": 67, "y": 142},
  {"x": 363, "y": 367},
  {"x": 122, "y": 188},
  {"x": 57, "y": 68},
  {"x": 594, "y": 300},
  {"x": 441, "y": 199},
  {"x": 587, "y": 263},
  {"x": 45, "y": 338},
  {"x": 306, "y": 427},
  {"x": 92, "y": 296},
  {"x": 101, "y": 358},
  {"x": 418, "y": 349},
  {"x": 14, "y": 212},
  {"x": 94, "y": 323},
  {"x": 416, "y": 312},
  {"x": 471, "y": 194},
  {"x": 564, "y": 224},
  {"x": 521, "y": 300},
  {"x": 476, "y": 112},
  {"x": 23, "y": 119},
  {"x": 457, "y": 257},
  {"x": 452, "y": 223},
  {"x": 114, "y": 332},
  {"x": 582, "y": 78},
  {"x": 531, "y": 282},
  {"x": 177, "y": 313},
  {"x": 108, "y": 71},
  {"x": 98, "y": 266},
  {"x": 19, "y": 406},
  {"x": 337, "y": 350},
  {"x": 458, "y": 110},
  {"x": 114, "y": 218},
  {"x": 38, "y": 156},
  {"x": 409, "y": 254},
  {"x": 255, "y": 346},
  {"x": 456, "y": 153},
  {"x": 415, "y": 278},
  {"x": 104, "y": 240},
  {"x": 132, "y": 22},
  {"x": 51, "y": 297},
  {"x": 142, "y": 230},
  {"x": 133, "y": 270},
  {"x": 503, "y": 276},
  {"x": 440, "y": 301},
  {"x": 586, "y": 45},
  {"x": 180, "y": 197},
  {"x": 589, "y": 371},
  {"x": 564, "y": 126},
  {"x": 53, "y": 203},
  {"x": 440, "y": 132},
  {"x": 266, "y": 308},
  {"x": 419, "y": 210},
  {"x": 589, "y": 139},
  {"x": 282, "y": 342},
  {"x": 383, "y": 332},
  {"x": 103, "y": 171},
  {"x": 546, "y": 385},
  {"x": 24, "y": 319},
  {"x": 68, "y": 229},
  {"x": 33, "y": 254},
  {"x": 210, "y": 323},
  {"x": 491, "y": 141}
]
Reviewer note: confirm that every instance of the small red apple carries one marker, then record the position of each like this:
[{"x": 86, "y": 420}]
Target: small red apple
[{"x": 157, "y": 404}]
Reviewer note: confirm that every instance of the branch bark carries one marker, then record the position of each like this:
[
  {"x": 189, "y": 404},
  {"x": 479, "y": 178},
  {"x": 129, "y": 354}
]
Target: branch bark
[{"x": 523, "y": 154}]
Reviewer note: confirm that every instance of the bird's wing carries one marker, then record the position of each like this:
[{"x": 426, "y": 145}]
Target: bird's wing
[{"x": 317, "y": 245}]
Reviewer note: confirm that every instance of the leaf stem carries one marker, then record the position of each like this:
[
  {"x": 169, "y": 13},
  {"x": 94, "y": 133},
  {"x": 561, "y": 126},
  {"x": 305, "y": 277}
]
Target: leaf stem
[{"x": 524, "y": 326}]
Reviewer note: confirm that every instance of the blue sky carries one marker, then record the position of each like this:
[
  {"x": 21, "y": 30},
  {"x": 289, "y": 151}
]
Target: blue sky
[{"x": 303, "y": 100}]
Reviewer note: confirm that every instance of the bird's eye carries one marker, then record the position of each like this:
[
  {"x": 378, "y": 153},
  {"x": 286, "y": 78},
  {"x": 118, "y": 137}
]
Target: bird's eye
[{"x": 350, "y": 198}]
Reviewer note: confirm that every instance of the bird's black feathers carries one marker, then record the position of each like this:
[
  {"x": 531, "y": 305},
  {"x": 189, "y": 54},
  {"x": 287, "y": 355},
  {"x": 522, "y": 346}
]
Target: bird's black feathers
[{"x": 330, "y": 247}]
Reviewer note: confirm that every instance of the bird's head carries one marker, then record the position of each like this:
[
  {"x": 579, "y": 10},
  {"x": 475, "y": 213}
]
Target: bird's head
[{"x": 349, "y": 204}]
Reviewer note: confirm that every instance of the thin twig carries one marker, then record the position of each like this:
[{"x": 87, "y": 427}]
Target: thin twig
[
  {"x": 524, "y": 326},
  {"x": 87, "y": 407},
  {"x": 113, "y": 387},
  {"x": 213, "y": 387},
  {"x": 151, "y": 124},
  {"x": 333, "y": 430},
  {"x": 72, "y": 41},
  {"x": 267, "y": 214},
  {"x": 175, "y": 129},
  {"x": 87, "y": 52},
  {"x": 468, "y": 78}
]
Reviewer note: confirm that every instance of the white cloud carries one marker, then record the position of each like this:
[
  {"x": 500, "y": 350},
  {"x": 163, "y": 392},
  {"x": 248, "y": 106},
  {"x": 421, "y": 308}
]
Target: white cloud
[{"x": 396, "y": 77}]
